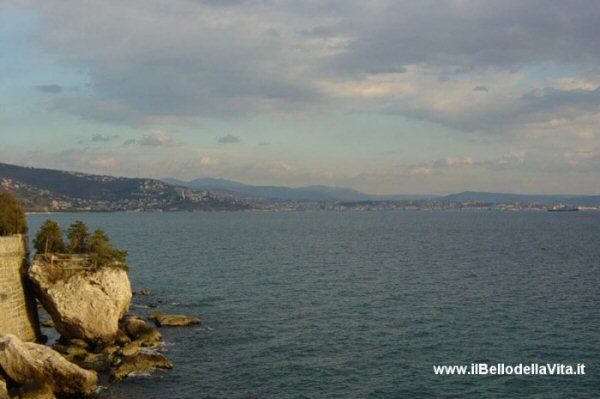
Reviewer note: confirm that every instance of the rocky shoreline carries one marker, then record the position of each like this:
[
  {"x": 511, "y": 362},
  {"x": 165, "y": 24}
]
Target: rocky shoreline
[{"x": 100, "y": 341}]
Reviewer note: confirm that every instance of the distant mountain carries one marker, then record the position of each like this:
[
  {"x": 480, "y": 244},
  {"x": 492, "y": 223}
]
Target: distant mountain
[
  {"x": 52, "y": 190},
  {"x": 312, "y": 193},
  {"x": 485, "y": 197},
  {"x": 309, "y": 193}
]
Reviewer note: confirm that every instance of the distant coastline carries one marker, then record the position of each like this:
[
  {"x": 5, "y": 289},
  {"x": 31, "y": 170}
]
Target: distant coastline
[{"x": 49, "y": 191}]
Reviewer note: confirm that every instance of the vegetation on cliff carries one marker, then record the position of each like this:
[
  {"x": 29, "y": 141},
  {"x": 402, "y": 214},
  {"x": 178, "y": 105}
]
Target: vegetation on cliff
[
  {"x": 101, "y": 252},
  {"x": 12, "y": 217},
  {"x": 49, "y": 238}
]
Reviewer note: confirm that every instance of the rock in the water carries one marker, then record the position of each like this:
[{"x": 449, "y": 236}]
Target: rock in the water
[
  {"x": 141, "y": 363},
  {"x": 135, "y": 326},
  {"x": 122, "y": 338},
  {"x": 141, "y": 332},
  {"x": 132, "y": 349},
  {"x": 26, "y": 362},
  {"x": 84, "y": 303},
  {"x": 142, "y": 292},
  {"x": 174, "y": 320}
]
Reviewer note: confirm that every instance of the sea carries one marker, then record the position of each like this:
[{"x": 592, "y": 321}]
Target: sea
[{"x": 363, "y": 304}]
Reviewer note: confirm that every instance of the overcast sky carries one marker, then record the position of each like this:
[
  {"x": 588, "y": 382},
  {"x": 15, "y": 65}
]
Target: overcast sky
[{"x": 402, "y": 97}]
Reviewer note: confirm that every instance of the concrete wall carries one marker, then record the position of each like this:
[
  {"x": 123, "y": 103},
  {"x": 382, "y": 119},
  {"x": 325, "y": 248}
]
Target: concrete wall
[{"x": 18, "y": 314}]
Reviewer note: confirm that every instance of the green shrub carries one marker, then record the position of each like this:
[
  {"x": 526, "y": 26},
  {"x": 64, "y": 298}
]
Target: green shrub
[{"x": 103, "y": 252}]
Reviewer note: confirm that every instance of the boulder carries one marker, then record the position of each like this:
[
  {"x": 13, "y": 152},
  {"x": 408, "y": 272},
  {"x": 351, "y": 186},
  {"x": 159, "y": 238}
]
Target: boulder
[
  {"x": 83, "y": 302},
  {"x": 135, "y": 326},
  {"x": 143, "y": 362},
  {"x": 29, "y": 363},
  {"x": 174, "y": 320},
  {"x": 140, "y": 332},
  {"x": 131, "y": 349}
]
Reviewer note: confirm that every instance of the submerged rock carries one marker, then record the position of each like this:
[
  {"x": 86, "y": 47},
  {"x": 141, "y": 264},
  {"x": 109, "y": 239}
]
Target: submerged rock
[
  {"x": 174, "y": 320},
  {"x": 143, "y": 362},
  {"x": 27, "y": 363},
  {"x": 83, "y": 303}
]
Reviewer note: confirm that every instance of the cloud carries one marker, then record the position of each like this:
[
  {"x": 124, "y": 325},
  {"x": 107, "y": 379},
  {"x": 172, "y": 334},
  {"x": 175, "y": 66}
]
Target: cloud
[
  {"x": 228, "y": 139},
  {"x": 235, "y": 59},
  {"x": 50, "y": 88},
  {"x": 420, "y": 170},
  {"x": 158, "y": 139},
  {"x": 103, "y": 162},
  {"x": 207, "y": 161},
  {"x": 317, "y": 31},
  {"x": 454, "y": 162},
  {"x": 129, "y": 142},
  {"x": 97, "y": 137},
  {"x": 263, "y": 143}
]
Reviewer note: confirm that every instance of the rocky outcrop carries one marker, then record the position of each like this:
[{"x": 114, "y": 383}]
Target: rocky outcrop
[
  {"x": 174, "y": 320},
  {"x": 141, "y": 363},
  {"x": 83, "y": 303},
  {"x": 140, "y": 332},
  {"x": 28, "y": 363}
]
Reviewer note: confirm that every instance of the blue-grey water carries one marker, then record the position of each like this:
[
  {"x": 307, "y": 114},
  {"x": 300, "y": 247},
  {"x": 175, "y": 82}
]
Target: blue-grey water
[{"x": 363, "y": 304}]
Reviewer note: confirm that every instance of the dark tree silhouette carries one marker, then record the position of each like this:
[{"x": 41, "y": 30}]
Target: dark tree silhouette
[{"x": 12, "y": 217}]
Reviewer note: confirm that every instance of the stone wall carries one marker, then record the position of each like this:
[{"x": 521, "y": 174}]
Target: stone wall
[{"x": 18, "y": 314}]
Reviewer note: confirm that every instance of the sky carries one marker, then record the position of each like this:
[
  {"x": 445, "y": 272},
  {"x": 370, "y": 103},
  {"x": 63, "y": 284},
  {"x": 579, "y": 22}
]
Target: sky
[{"x": 387, "y": 97}]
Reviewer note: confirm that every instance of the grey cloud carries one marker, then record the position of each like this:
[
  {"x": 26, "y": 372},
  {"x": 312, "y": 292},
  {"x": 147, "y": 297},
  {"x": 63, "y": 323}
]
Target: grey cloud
[
  {"x": 103, "y": 138},
  {"x": 228, "y": 139},
  {"x": 51, "y": 89},
  {"x": 442, "y": 34},
  {"x": 177, "y": 65},
  {"x": 480, "y": 88},
  {"x": 263, "y": 143},
  {"x": 272, "y": 33},
  {"x": 533, "y": 107},
  {"x": 222, "y": 3},
  {"x": 158, "y": 139},
  {"x": 129, "y": 142},
  {"x": 317, "y": 31}
]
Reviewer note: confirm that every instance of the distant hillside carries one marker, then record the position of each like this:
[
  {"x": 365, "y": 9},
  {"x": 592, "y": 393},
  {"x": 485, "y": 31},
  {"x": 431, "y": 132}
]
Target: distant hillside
[
  {"x": 51, "y": 190},
  {"x": 309, "y": 193},
  {"x": 475, "y": 196},
  {"x": 313, "y": 193}
]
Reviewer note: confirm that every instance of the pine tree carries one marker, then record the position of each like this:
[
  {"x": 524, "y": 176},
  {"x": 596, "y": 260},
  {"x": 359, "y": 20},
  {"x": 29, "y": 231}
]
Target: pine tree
[
  {"x": 49, "y": 238},
  {"x": 79, "y": 238}
]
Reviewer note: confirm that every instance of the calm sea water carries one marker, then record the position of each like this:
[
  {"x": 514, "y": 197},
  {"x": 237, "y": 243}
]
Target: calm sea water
[{"x": 363, "y": 304}]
